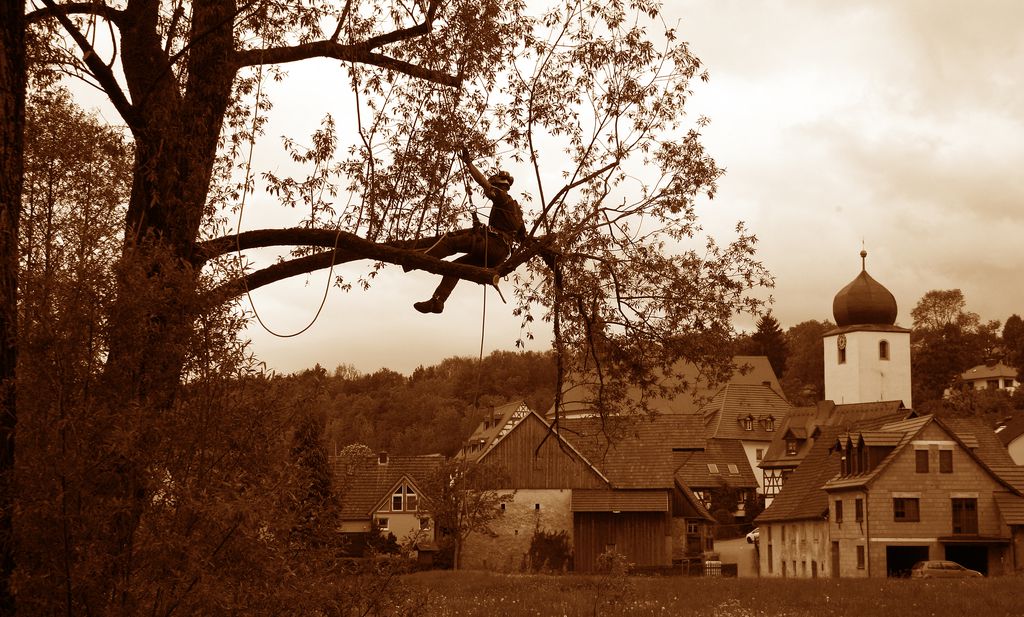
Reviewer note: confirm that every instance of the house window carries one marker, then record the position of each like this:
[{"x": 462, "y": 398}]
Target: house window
[
  {"x": 397, "y": 500},
  {"x": 692, "y": 528},
  {"x": 410, "y": 499},
  {"x": 791, "y": 446},
  {"x": 502, "y": 506},
  {"x": 883, "y": 350},
  {"x": 860, "y": 557},
  {"x": 382, "y": 524},
  {"x": 536, "y": 506},
  {"x": 424, "y": 524},
  {"x": 858, "y": 509},
  {"x": 906, "y": 509},
  {"x": 759, "y": 453},
  {"x": 839, "y": 510},
  {"x": 992, "y": 384},
  {"x": 769, "y": 424},
  {"x": 712, "y": 467},
  {"x": 733, "y": 469},
  {"x": 1007, "y": 383},
  {"x": 748, "y": 423},
  {"x": 921, "y": 460},
  {"x": 945, "y": 461},
  {"x": 965, "y": 515}
]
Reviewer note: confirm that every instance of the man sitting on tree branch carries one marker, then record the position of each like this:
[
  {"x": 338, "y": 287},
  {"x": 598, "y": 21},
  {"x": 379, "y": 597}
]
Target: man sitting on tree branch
[{"x": 488, "y": 246}]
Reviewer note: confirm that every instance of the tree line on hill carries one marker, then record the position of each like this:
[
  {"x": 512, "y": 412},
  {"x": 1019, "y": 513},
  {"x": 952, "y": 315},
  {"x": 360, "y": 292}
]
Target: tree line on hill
[{"x": 431, "y": 411}]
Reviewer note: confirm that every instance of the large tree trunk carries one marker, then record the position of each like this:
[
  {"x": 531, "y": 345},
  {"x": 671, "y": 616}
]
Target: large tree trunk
[
  {"x": 154, "y": 312},
  {"x": 12, "y": 118}
]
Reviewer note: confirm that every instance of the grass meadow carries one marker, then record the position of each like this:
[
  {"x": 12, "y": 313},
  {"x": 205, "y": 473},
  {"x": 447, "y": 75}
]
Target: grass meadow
[{"x": 446, "y": 593}]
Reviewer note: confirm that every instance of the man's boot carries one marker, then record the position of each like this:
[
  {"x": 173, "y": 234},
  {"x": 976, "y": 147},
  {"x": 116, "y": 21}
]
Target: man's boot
[{"x": 433, "y": 305}]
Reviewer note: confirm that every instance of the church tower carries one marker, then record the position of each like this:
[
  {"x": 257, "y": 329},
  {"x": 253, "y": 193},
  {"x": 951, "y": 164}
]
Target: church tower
[{"x": 867, "y": 356}]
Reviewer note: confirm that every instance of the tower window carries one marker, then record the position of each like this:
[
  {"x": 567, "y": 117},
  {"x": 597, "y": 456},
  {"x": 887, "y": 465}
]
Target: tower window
[
  {"x": 842, "y": 356},
  {"x": 883, "y": 350}
]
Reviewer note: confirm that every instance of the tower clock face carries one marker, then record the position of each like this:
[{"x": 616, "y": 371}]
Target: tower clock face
[{"x": 841, "y": 341}]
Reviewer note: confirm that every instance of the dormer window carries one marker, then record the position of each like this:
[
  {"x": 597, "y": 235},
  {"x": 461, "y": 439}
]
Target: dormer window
[
  {"x": 769, "y": 423},
  {"x": 748, "y": 423},
  {"x": 791, "y": 446},
  {"x": 713, "y": 467}
]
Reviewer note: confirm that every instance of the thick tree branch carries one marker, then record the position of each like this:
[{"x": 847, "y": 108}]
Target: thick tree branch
[
  {"x": 404, "y": 33},
  {"x": 360, "y": 53},
  {"x": 344, "y": 248},
  {"x": 108, "y": 13}
]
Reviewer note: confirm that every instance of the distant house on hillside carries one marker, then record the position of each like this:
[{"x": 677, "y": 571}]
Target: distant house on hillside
[
  {"x": 993, "y": 376},
  {"x": 385, "y": 490}
]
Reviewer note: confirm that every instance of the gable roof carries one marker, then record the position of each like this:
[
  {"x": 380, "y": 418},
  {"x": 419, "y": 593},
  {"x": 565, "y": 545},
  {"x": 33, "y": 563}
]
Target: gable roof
[
  {"x": 724, "y": 415},
  {"x": 748, "y": 370},
  {"x": 693, "y": 469},
  {"x": 895, "y": 435},
  {"x": 497, "y": 421},
  {"x": 543, "y": 438},
  {"x": 634, "y": 452},
  {"x": 802, "y": 496},
  {"x": 367, "y": 482}
]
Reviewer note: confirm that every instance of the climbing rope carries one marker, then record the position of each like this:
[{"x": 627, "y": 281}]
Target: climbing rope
[{"x": 238, "y": 228}]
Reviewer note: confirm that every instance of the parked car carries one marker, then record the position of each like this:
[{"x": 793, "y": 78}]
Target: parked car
[
  {"x": 754, "y": 535},
  {"x": 942, "y": 569}
]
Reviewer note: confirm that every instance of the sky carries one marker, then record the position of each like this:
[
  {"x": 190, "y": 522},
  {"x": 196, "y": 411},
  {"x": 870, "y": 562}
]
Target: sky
[{"x": 896, "y": 125}]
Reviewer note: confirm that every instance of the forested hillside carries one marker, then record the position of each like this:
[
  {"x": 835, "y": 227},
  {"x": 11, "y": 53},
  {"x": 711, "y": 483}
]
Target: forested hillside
[{"x": 432, "y": 410}]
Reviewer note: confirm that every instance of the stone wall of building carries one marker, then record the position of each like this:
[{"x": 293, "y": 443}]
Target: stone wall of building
[
  {"x": 529, "y": 511},
  {"x": 799, "y": 549}
]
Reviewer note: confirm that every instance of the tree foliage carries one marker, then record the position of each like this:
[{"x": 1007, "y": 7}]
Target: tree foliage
[
  {"x": 804, "y": 381},
  {"x": 465, "y": 500},
  {"x": 769, "y": 341},
  {"x": 947, "y": 339},
  {"x": 171, "y": 466}
]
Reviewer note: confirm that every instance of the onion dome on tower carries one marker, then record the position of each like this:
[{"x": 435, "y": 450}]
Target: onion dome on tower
[{"x": 864, "y": 301}]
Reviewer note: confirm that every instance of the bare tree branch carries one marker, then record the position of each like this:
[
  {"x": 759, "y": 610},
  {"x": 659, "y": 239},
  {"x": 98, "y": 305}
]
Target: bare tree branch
[
  {"x": 361, "y": 53},
  {"x": 99, "y": 70}
]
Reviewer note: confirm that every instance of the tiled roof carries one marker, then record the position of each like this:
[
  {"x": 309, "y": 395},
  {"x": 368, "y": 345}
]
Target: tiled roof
[
  {"x": 1011, "y": 507},
  {"x": 1011, "y": 430},
  {"x": 802, "y": 496},
  {"x": 598, "y": 500},
  {"x": 749, "y": 370},
  {"x": 731, "y": 466},
  {"x": 364, "y": 482},
  {"x": 989, "y": 371},
  {"x": 802, "y": 421},
  {"x": 633, "y": 452},
  {"x": 725, "y": 414}
]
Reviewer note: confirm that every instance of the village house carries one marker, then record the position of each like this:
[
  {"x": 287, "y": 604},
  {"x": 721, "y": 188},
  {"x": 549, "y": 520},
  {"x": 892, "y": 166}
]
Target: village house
[
  {"x": 749, "y": 415},
  {"x": 617, "y": 494},
  {"x": 990, "y": 376},
  {"x": 721, "y": 466},
  {"x": 385, "y": 491},
  {"x": 921, "y": 489}
]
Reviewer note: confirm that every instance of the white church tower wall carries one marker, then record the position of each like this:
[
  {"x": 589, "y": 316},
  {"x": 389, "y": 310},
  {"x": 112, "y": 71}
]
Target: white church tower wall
[{"x": 867, "y": 356}]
